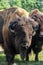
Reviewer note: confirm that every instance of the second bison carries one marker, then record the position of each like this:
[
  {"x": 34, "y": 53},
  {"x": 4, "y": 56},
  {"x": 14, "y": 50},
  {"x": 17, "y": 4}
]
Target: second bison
[{"x": 37, "y": 40}]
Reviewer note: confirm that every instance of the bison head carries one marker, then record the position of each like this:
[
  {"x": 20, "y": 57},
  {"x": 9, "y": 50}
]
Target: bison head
[
  {"x": 38, "y": 17},
  {"x": 21, "y": 31},
  {"x": 35, "y": 25}
]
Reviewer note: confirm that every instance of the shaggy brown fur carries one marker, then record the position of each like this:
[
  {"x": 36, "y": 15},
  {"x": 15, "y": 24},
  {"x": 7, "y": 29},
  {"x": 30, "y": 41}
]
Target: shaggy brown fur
[
  {"x": 20, "y": 12},
  {"x": 17, "y": 10}
]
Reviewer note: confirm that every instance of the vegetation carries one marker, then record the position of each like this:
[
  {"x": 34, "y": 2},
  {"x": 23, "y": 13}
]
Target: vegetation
[
  {"x": 26, "y": 4},
  {"x": 18, "y": 60}
]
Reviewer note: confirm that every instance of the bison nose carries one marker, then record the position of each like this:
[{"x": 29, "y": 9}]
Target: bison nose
[{"x": 27, "y": 45}]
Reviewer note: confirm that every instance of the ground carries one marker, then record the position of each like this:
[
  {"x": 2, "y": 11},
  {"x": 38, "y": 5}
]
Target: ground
[{"x": 18, "y": 60}]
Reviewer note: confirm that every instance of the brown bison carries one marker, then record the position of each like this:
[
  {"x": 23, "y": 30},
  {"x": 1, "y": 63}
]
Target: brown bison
[
  {"x": 17, "y": 35},
  {"x": 37, "y": 40}
]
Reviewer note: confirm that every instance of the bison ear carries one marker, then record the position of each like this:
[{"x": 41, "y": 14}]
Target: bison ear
[
  {"x": 35, "y": 11},
  {"x": 12, "y": 26},
  {"x": 35, "y": 24}
]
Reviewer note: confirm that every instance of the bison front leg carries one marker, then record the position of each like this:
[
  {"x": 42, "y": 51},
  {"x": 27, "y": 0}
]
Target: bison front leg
[
  {"x": 27, "y": 54},
  {"x": 27, "y": 57},
  {"x": 9, "y": 59},
  {"x": 36, "y": 57},
  {"x": 9, "y": 55}
]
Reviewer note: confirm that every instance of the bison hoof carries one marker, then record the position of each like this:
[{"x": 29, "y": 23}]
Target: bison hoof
[{"x": 36, "y": 59}]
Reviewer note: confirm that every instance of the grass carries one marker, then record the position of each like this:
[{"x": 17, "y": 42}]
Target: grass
[{"x": 18, "y": 60}]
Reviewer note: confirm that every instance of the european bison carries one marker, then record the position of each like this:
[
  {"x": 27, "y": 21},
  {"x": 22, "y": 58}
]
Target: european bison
[
  {"x": 37, "y": 40},
  {"x": 17, "y": 35},
  {"x": 9, "y": 16}
]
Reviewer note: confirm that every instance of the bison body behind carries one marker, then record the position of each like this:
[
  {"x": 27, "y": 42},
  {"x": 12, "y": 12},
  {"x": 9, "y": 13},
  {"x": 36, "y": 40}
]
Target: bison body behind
[{"x": 37, "y": 40}]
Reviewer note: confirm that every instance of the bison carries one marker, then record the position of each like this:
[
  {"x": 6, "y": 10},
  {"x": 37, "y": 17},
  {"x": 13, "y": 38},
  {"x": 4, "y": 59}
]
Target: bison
[
  {"x": 14, "y": 32},
  {"x": 37, "y": 40},
  {"x": 17, "y": 35}
]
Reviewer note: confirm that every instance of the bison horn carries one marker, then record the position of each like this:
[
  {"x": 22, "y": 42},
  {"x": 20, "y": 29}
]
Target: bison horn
[{"x": 12, "y": 26}]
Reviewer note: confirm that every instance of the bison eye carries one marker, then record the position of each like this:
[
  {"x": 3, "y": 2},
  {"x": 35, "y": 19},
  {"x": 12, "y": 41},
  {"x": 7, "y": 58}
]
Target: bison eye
[
  {"x": 35, "y": 15},
  {"x": 18, "y": 19}
]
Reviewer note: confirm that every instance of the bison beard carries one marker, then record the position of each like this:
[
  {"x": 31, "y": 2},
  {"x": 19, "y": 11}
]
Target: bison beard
[{"x": 17, "y": 37}]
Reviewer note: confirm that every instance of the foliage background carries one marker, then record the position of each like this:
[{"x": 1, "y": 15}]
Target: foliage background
[{"x": 26, "y": 4}]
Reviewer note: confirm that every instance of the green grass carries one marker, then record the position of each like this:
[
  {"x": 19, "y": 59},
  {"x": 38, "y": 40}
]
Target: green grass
[{"x": 18, "y": 60}]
